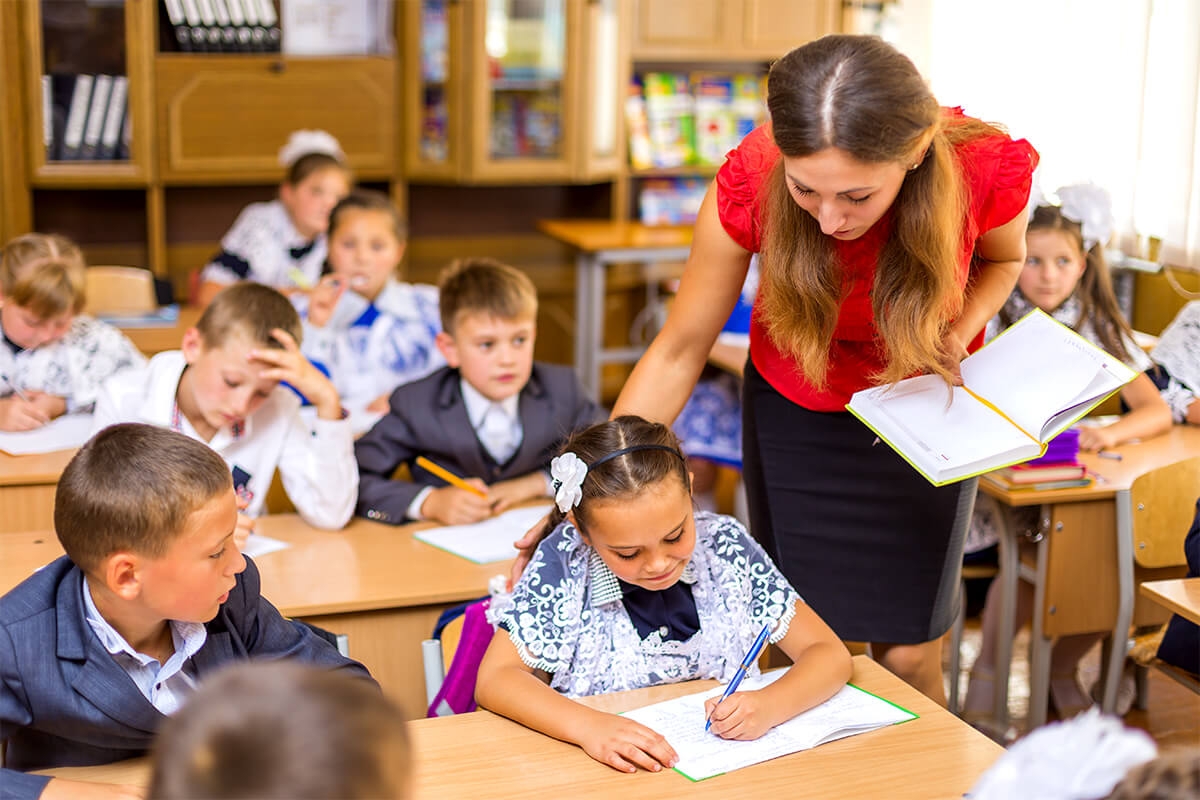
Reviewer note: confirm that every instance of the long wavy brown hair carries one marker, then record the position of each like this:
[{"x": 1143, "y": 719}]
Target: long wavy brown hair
[{"x": 862, "y": 96}]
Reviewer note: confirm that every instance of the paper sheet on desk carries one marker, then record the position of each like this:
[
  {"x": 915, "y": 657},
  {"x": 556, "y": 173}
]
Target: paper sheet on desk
[
  {"x": 258, "y": 545},
  {"x": 487, "y": 541},
  {"x": 65, "y": 433},
  {"x": 702, "y": 754}
]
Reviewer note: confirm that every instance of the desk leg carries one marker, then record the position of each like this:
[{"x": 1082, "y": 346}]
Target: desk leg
[
  {"x": 589, "y": 320},
  {"x": 1009, "y": 560},
  {"x": 1040, "y": 647}
]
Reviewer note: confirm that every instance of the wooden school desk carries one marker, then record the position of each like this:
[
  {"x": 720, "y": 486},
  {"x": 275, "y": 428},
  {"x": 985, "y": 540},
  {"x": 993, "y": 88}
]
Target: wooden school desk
[
  {"x": 373, "y": 582},
  {"x": 1181, "y": 596},
  {"x": 599, "y": 243},
  {"x": 153, "y": 339},
  {"x": 27, "y": 485},
  {"x": 482, "y": 755},
  {"x": 1075, "y": 572}
]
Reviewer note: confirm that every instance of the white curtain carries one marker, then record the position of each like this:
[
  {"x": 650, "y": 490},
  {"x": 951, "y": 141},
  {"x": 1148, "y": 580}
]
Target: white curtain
[{"x": 1106, "y": 90}]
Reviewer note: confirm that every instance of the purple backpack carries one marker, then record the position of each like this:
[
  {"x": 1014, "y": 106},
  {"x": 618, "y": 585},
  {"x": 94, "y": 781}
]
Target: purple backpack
[{"x": 457, "y": 694}]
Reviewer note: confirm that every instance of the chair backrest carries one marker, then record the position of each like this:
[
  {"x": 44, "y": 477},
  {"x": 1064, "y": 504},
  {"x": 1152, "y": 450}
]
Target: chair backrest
[
  {"x": 120, "y": 290},
  {"x": 1163, "y": 504}
]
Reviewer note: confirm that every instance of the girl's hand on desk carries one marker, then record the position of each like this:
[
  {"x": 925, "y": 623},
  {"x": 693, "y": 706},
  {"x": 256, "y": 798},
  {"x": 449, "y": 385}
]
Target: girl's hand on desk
[
  {"x": 742, "y": 715},
  {"x": 21, "y": 415},
  {"x": 322, "y": 300},
  {"x": 626, "y": 745},
  {"x": 1095, "y": 438},
  {"x": 450, "y": 505},
  {"x": 52, "y": 405}
]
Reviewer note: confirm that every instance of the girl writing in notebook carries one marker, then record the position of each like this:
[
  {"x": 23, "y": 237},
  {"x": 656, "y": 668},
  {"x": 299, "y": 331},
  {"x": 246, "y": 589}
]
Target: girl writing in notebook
[
  {"x": 631, "y": 588},
  {"x": 281, "y": 243},
  {"x": 1066, "y": 276}
]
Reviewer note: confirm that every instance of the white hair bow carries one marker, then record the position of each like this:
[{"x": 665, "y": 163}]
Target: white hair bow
[
  {"x": 1087, "y": 204},
  {"x": 568, "y": 472},
  {"x": 301, "y": 143}
]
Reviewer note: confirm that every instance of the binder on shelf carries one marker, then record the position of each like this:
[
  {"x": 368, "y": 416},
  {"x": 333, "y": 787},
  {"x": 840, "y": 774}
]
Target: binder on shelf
[
  {"x": 270, "y": 21},
  {"x": 48, "y": 115},
  {"x": 126, "y": 136},
  {"x": 62, "y": 89},
  {"x": 258, "y": 34},
  {"x": 178, "y": 23},
  {"x": 101, "y": 89},
  {"x": 225, "y": 25},
  {"x": 117, "y": 109},
  {"x": 243, "y": 34},
  {"x": 196, "y": 32},
  {"x": 81, "y": 96},
  {"x": 212, "y": 34}
]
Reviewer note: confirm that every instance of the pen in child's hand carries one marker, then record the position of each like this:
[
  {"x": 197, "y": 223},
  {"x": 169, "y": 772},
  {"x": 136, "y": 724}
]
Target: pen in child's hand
[
  {"x": 1109, "y": 455},
  {"x": 17, "y": 390},
  {"x": 755, "y": 649}
]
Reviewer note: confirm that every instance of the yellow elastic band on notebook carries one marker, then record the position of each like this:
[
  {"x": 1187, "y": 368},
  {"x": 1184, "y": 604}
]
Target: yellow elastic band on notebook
[{"x": 1010, "y": 420}]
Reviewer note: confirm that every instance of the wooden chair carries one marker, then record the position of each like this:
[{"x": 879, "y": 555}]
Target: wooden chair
[
  {"x": 1153, "y": 517},
  {"x": 120, "y": 290}
]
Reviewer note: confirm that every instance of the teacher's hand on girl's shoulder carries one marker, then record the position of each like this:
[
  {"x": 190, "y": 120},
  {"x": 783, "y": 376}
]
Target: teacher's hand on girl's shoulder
[{"x": 525, "y": 547}]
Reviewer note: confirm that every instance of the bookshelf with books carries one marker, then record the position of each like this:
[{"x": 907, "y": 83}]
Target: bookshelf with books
[{"x": 522, "y": 91}]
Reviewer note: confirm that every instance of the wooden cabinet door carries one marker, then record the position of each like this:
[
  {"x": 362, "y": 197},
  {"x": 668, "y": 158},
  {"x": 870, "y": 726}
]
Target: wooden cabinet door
[
  {"x": 222, "y": 119},
  {"x": 678, "y": 28},
  {"x": 771, "y": 28}
]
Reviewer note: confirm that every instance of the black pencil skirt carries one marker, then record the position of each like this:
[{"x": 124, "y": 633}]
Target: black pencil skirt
[{"x": 866, "y": 540}]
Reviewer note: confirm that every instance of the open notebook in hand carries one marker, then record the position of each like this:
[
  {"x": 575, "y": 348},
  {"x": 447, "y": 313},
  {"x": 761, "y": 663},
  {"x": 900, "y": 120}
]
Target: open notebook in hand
[
  {"x": 702, "y": 754},
  {"x": 1022, "y": 389}
]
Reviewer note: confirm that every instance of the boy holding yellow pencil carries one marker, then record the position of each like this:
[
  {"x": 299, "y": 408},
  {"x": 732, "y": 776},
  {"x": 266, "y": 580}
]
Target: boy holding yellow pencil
[{"x": 477, "y": 435}]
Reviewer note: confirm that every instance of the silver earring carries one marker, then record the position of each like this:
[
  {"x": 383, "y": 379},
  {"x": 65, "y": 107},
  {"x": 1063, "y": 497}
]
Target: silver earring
[{"x": 914, "y": 166}]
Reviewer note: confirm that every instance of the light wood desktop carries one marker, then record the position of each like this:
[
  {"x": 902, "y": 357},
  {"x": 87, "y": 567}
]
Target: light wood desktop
[
  {"x": 157, "y": 338},
  {"x": 1181, "y": 596},
  {"x": 27, "y": 485},
  {"x": 599, "y": 243},
  {"x": 1075, "y": 570},
  {"x": 375, "y": 583},
  {"x": 482, "y": 755}
]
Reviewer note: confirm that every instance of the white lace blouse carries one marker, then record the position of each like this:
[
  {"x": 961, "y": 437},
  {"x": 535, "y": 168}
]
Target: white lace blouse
[
  {"x": 1178, "y": 350},
  {"x": 566, "y": 616}
]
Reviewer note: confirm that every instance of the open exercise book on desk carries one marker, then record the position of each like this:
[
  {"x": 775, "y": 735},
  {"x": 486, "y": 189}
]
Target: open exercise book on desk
[
  {"x": 703, "y": 754},
  {"x": 487, "y": 541},
  {"x": 64, "y": 433},
  {"x": 1022, "y": 389}
]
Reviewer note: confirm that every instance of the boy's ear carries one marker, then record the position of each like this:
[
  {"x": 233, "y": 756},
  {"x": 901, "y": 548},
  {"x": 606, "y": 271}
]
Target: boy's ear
[
  {"x": 448, "y": 348},
  {"x": 193, "y": 345},
  {"x": 121, "y": 573}
]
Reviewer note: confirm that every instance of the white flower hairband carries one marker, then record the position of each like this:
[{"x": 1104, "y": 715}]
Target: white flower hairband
[
  {"x": 1088, "y": 205},
  {"x": 302, "y": 143},
  {"x": 567, "y": 471}
]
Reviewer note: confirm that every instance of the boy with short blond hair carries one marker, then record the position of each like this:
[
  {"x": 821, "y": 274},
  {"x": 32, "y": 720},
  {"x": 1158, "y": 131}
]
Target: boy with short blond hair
[
  {"x": 101, "y": 645},
  {"x": 494, "y": 415},
  {"x": 224, "y": 388}
]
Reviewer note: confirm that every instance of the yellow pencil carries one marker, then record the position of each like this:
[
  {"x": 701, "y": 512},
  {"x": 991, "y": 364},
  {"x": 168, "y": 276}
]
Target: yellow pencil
[{"x": 448, "y": 476}]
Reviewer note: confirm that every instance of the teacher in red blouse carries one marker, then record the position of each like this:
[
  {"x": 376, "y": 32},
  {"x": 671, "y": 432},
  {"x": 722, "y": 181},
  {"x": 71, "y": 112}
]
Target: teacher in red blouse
[{"x": 889, "y": 230}]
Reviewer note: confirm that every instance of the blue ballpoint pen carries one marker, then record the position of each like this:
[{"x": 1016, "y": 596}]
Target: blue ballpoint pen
[{"x": 755, "y": 649}]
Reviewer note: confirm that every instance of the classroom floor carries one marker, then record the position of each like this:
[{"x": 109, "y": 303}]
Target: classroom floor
[{"x": 1172, "y": 716}]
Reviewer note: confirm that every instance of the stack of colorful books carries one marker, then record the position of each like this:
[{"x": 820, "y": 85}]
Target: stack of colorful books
[{"x": 1058, "y": 468}]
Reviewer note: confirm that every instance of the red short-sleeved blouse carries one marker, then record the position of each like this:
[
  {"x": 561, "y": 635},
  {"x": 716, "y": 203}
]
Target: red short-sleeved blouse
[{"x": 997, "y": 172}]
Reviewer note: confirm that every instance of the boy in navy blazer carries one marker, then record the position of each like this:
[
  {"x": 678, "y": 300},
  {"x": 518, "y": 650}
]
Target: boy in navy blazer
[
  {"x": 98, "y": 647},
  {"x": 493, "y": 414}
]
